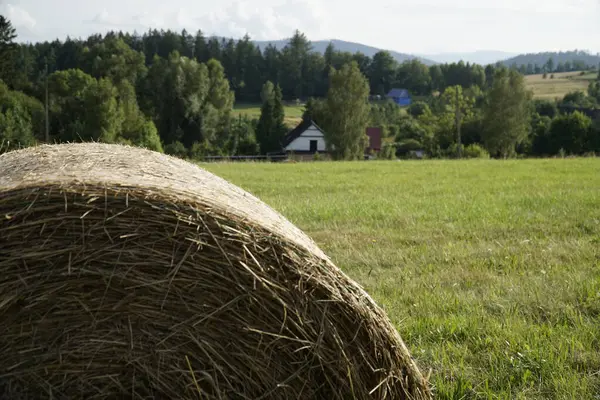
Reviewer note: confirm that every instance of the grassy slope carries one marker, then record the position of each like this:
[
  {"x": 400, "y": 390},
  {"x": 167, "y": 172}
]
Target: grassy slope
[
  {"x": 293, "y": 113},
  {"x": 489, "y": 269},
  {"x": 558, "y": 87}
]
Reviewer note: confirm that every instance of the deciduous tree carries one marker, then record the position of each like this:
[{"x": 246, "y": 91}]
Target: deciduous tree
[
  {"x": 570, "y": 132},
  {"x": 459, "y": 107},
  {"x": 348, "y": 109},
  {"x": 507, "y": 113}
]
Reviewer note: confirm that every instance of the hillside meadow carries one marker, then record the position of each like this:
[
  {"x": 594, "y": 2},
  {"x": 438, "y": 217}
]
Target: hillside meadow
[
  {"x": 563, "y": 83},
  {"x": 293, "y": 112},
  {"x": 489, "y": 269}
]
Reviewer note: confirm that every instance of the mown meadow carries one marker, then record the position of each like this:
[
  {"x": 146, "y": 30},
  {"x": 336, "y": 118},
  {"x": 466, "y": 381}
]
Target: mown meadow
[{"x": 489, "y": 269}]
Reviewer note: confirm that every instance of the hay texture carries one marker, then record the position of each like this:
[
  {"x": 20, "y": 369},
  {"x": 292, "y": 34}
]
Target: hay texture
[{"x": 125, "y": 273}]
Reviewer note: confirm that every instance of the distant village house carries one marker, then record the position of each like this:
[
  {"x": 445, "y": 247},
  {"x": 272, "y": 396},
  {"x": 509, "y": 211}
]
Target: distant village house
[
  {"x": 308, "y": 138},
  {"x": 400, "y": 97},
  {"x": 305, "y": 139}
]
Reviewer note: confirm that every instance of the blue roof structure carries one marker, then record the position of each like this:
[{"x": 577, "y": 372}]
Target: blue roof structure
[{"x": 398, "y": 93}]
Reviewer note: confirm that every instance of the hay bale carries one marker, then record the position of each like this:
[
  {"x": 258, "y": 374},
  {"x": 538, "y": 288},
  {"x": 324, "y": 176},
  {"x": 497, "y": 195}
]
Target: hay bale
[{"x": 128, "y": 273}]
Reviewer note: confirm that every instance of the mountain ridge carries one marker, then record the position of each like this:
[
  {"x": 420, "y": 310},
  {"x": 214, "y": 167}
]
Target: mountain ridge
[{"x": 352, "y": 47}]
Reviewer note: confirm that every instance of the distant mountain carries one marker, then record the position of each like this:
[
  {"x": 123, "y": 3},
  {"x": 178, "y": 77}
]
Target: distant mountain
[
  {"x": 558, "y": 57},
  {"x": 340, "y": 45},
  {"x": 482, "y": 57}
]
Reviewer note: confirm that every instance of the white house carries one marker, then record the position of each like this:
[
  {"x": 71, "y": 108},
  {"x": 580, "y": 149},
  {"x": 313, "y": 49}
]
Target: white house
[{"x": 306, "y": 138}]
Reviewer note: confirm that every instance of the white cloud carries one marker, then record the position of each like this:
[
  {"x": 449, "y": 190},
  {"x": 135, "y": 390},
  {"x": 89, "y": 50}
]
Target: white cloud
[
  {"x": 104, "y": 18},
  {"x": 21, "y": 20},
  {"x": 18, "y": 16},
  {"x": 260, "y": 21},
  {"x": 404, "y": 25}
]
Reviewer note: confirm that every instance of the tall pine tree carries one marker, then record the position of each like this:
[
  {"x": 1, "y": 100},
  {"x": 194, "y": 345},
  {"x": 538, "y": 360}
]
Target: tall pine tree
[
  {"x": 7, "y": 49},
  {"x": 271, "y": 129}
]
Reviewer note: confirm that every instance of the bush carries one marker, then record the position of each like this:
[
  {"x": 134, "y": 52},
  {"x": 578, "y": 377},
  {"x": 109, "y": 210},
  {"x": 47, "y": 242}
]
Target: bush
[
  {"x": 418, "y": 108},
  {"x": 407, "y": 145},
  {"x": 176, "y": 149},
  {"x": 475, "y": 151},
  {"x": 552, "y": 76},
  {"x": 388, "y": 152}
]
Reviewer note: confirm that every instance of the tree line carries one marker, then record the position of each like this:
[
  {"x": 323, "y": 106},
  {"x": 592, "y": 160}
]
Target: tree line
[
  {"x": 299, "y": 71},
  {"x": 550, "y": 62},
  {"x": 174, "y": 92}
]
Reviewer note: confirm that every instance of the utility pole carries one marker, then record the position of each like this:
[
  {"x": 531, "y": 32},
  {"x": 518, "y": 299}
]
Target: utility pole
[{"x": 47, "y": 119}]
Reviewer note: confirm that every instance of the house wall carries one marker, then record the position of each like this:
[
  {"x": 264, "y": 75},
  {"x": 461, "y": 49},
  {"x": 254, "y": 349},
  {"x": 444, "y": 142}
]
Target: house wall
[
  {"x": 302, "y": 143},
  {"x": 403, "y": 101}
]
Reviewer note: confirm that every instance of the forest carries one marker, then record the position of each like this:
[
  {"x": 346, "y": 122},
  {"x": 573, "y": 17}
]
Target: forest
[{"x": 174, "y": 92}]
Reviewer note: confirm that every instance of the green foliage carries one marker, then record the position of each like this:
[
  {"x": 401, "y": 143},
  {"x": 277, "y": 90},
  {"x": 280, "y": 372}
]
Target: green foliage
[
  {"x": 270, "y": 129},
  {"x": 407, "y": 145},
  {"x": 578, "y": 99},
  {"x": 475, "y": 151},
  {"x": 114, "y": 59},
  {"x": 507, "y": 113},
  {"x": 388, "y": 152},
  {"x": 294, "y": 61},
  {"x": 316, "y": 110},
  {"x": 180, "y": 88},
  {"x": 83, "y": 108},
  {"x": 16, "y": 129},
  {"x": 188, "y": 101},
  {"x": 571, "y": 132},
  {"x": 382, "y": 73},
  {"x": 541, "y": 143},
  {"x": 243, "y": 138},
  {"x": 24, "y": 107},
  {"x": 458, "y": 107},
  {"x": 414, "y": 76},
  {"x": 7, "y": 50},
  {"x": 348, "y": 112},
  {"x": 136, "y": 128},
  {"x": 594, "y": 91},
  {"x": 418, "y": 108},
  {"x": 545, "y": 108},
  {"x": 176, "y": 149}
]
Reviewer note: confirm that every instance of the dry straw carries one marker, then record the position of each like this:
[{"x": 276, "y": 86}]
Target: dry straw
[{"x": 125, "y": 273}]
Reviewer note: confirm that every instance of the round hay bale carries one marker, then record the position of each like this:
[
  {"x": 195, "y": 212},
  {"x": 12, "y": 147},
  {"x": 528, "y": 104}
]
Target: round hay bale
[{"x": 128, "y": 273}]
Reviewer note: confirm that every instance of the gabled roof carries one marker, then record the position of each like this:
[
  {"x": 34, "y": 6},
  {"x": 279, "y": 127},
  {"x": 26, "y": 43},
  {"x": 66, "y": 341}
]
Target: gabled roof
[
  {"x": 398, "y": 93},
  {"x": 299, "y": 130}
]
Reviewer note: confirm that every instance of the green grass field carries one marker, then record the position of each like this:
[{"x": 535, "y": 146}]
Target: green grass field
[
  {"x": 293, "y": 113},
  {"x": 558, "y": 87},
  {"x": 490, "y": 270}
]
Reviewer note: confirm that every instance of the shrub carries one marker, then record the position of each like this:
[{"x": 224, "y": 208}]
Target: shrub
[
  {"x": 388, "y": 152},
  {"x": 418, "y": 108},
  {"x": 176, "y": 149},
  {"x": 475, "y": 151}
]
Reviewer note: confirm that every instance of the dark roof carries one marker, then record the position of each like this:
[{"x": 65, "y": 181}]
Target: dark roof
[
  {"x": 299, "y": 130},
  {"x": 398, "y": 93}
]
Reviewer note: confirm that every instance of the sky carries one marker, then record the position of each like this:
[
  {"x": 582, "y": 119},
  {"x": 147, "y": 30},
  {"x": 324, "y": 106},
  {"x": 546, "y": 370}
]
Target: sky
[{"x": 409, "y": 26}]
